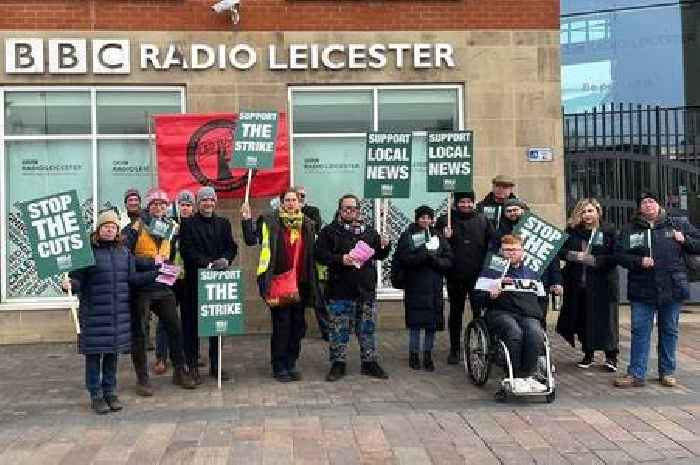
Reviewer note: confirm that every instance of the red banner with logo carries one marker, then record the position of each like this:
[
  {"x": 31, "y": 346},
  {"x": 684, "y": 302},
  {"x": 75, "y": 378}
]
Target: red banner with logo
[{"x": 195, "y": 150}]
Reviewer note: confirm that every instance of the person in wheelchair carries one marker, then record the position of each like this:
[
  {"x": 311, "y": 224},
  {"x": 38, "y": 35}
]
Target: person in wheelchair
[{"x": 514, "y": 314}]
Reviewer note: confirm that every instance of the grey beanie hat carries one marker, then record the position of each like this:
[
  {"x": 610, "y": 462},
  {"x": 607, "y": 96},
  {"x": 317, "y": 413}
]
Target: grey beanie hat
[
  {"x": 206, "y": 192},
  {"x": 185, "y": 197}
]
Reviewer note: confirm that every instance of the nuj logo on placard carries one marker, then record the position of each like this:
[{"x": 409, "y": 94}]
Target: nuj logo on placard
[
  {"x": 387, "y": 189},
  {"x": 221, "y": 326},
  {"x": 449, "y": 183},
  {"x": 251, "y": 160}
]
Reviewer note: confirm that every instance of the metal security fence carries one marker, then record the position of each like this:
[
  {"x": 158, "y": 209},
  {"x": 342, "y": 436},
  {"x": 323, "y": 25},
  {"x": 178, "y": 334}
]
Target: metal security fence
[{"x": 617, "y": 151}]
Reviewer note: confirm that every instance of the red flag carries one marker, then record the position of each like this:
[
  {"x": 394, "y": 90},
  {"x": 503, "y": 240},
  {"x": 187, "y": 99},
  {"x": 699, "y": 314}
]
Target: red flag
[{"x": 195, "y": 150}]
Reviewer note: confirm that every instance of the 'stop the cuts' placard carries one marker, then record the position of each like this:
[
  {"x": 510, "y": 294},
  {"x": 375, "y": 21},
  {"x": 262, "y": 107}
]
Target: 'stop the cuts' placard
[
  {"x": 450, "y": 161},
  {"x": 56, "y": 233},
  {"x": 388, "y": 165},
  {"x": 541, "y": 241},
  {"x": 254, "y": 140}
]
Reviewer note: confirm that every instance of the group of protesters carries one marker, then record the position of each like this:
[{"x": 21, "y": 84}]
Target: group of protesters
[{"x": 332, "y": 269}]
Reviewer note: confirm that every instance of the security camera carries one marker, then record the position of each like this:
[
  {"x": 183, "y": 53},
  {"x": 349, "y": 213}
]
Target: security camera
[{"x": 233, "y": 6}]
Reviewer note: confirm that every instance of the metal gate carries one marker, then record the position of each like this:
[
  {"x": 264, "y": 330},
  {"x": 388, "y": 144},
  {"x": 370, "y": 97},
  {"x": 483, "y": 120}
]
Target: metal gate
[{"x": 617, "y": 151}]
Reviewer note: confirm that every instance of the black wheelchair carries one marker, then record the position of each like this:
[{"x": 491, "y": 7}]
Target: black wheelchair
[{"x": 482, "y": 350}]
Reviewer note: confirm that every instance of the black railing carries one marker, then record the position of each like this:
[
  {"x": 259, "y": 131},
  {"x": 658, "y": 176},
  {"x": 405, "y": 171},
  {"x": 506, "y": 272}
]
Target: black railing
[{"x": 617, "y": 151}]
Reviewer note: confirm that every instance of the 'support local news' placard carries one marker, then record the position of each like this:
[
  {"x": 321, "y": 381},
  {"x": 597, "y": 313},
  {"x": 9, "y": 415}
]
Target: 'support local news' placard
[
  {"x": 254, "y": 141},
  {"x": 541, "y": 241},
  {"x": 450, "y": 161},
  {"x": 56, "y": 233},
  {"x": 388, "y": 165},
  {"x": 220, "y": 302}
]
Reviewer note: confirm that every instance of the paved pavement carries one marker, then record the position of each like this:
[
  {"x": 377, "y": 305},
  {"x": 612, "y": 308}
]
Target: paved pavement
[{"x": 412, "y": 418}]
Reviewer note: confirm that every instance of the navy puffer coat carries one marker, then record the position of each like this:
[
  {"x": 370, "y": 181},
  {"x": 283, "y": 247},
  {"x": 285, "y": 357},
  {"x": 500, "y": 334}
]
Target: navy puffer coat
[
  {"x": 103, "y": 289},
  {"x": 667, "y": 281}
]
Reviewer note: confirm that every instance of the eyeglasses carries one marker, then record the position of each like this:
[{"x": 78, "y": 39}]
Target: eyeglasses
[
  {"x": 511, "y": 250},
  {"x": 349, "y": 208},
  {"x": 512, "y": 210}
]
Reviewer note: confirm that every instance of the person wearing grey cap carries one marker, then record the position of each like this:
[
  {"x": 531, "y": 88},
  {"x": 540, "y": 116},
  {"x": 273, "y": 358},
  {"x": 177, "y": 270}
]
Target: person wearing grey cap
[
  {"x": 206, "y": 241},
  {"x": 492, "y": 205}
]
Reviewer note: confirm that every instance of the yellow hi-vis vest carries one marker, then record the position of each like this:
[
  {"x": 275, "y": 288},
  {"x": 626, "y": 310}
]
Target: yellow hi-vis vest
[
  {"x": 146, "y": 245},
  {"x": 264, "y": 262}
]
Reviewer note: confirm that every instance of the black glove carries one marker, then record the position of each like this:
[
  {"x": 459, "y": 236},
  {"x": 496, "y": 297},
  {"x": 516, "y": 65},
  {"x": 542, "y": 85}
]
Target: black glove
[{"x": 219, "y": 264}]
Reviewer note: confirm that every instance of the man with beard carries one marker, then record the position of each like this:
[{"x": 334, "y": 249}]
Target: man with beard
[
  {"x": 352, "y": 286},
  {"x": 469, "y": 237},
  {"x": 149, "y": 239},
  {"x": 492, "y": 205},
  {"x": 206, "y": 241}
]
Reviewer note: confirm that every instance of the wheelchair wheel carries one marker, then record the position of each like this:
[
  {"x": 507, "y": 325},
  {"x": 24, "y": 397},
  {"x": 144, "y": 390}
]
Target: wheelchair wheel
[
  {"x": 477, "y": 360},
  {"x": 550, "y": 397}
]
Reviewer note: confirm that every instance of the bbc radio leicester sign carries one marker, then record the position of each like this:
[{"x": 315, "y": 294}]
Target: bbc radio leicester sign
[{"x": 114, "y": 56}]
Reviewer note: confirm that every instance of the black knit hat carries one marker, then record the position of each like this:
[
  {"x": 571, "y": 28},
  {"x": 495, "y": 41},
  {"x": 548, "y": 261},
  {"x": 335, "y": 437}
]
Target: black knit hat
[
  {"x": 424, "y": 210},
  {"x": 647, "y": 195},
  {"x": 464, "y": 195}
]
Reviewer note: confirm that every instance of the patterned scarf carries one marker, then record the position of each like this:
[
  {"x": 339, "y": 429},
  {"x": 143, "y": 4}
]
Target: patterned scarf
[{"x": 293, "y": 222}]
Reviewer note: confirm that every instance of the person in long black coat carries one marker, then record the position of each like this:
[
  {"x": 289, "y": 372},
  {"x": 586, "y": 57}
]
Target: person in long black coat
[
  {"x": 590, "y": 308},
  {"x": 424, "y": 262},
  {"x": 105, "y": 311}
]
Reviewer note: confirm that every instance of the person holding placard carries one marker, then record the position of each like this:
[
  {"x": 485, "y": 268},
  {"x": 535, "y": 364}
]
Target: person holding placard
[
  {"x": 104, "y": 290},
  {"x": 206, "y": 241},
  {"x": 286, "y": 277},
  {"x": 651, "y": 247},
  {"x": 469, "y": 237},
  {"x": 150, "y": 240},
  {"x": 349, "y": 248},
  {"x": 590, "y": 308},
  {"x": 424, "y": 258},
  {"x": 513, "y": 209},
  {"x": 492, "y": 205}
]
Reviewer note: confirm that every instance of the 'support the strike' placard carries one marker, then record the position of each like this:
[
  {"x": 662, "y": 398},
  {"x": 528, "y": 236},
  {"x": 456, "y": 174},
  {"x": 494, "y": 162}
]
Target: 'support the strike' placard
[
  {"x": 388, "y": 165},
  {"x": 56, "y": 233},
  {"x": 220, "y": 302},
  {"x": 450, "y": 161},
  {"x": 254, "y": 141},
  {"x": 541, "y": 241}
]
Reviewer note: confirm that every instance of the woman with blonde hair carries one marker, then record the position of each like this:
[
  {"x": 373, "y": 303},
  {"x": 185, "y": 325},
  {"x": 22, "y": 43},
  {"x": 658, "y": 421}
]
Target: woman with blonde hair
[{"x": 590, "y": 307}]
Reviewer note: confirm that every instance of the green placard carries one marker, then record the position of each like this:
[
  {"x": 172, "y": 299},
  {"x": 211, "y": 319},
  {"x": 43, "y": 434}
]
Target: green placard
[
  {"x": 220, "y": 302},
  {"x": 254, "y": 140},
  {"x": 56, "y": 232},
  {"x": 450, "y": 160},
  {"x": 541, "y": 241},
  {"x": 388, "y": 165}
]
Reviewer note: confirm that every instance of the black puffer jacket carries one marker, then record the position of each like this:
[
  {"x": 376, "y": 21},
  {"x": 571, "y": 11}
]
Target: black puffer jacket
[
  {"x": 667, "y": 281},
  {"x": 471, "y": 236},
  {"x": 347, "y": 282},
  {"x": 104, "y": 292},
  {"x": 423, "y": 271}
]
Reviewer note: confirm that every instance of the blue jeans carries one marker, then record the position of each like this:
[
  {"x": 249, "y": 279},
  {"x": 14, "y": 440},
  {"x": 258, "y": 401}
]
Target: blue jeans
[
  {"x": 642, "y": 323},
  {"x": 101, "y": 374},
  {"x": 414, "y": 340}
]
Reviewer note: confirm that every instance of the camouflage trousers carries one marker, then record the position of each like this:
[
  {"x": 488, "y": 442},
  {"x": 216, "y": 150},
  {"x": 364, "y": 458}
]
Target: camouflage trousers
[{"x": 346, "y": 315}]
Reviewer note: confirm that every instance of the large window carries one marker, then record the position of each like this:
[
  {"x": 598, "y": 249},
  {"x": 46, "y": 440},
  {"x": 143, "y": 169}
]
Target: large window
[
  {"x": 95, "y": 140},
  {"x": 329, "y": 126}
]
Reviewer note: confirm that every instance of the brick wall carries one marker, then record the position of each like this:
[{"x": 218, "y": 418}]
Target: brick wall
[{"x": 280, "y": 15}]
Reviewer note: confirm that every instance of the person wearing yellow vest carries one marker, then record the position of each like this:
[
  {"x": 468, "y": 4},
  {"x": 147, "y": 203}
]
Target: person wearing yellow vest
[
  {"x": 149, "y": 239},
  {"x": 286, "y": 277}
]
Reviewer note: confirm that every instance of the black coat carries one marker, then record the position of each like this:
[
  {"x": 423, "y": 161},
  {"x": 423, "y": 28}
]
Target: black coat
[
  {"x": 104, "y": 293},
  {"x": 667, "y": 281},
  {"x": 590, "y": 305},
  {"x": 471, "y": 236},
  {"x": 314, "y": 214},
  {"x": 347, "y": 282},
  {"x": 423, "y": 273}
]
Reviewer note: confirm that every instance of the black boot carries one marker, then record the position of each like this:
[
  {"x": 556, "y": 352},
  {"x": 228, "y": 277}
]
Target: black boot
[
  {"x": 453, "y": 358},
  {"x": 99, "y": 406},
  {"x": 114, "y": 403},
  {"x": 182, "y": 378},
  {"x": 413, "y": 360},
  {"x": 337, "y": 371},
  {"x": 374, "y": 370},
  {"x": 428, "y": 361}
]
